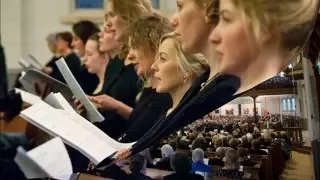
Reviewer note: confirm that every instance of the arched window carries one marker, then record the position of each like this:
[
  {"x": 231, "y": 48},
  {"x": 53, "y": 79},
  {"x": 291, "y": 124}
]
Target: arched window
[
  {"x": 284, "y": 105},
  {"x": 293, "y": 104},
  {"x": 156, "y": 4},
  {"x": 289, "y": 104},
  {"x": 89, "y": 4}
]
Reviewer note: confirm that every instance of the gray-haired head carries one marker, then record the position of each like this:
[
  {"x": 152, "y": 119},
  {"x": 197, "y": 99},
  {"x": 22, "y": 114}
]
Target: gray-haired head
[
  {"x": 51, "y": 38},
  {"x": 220, "y": 152},
  {"x": 197, "y": 155}
]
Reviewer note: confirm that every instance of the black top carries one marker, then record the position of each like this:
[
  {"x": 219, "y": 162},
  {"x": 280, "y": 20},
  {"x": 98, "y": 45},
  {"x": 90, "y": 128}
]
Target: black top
[
  {"x": 120, "y": 84},
  {"x": 88, "y": 81},
  {"x": 218, "y": 92},
  {"x": 189, "y": 176},
  {"x": 73, "y": 63},
  {"x": 147, "y": 111},
  {"x": 3, "y": 74}
]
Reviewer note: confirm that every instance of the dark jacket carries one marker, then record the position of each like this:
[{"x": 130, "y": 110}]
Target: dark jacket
[
  {"x": 121, "y": 84},
  {"x": 195, "y": 105},
  {"x": 190, "y": 176},
  {"x": 3, "y": 74}
]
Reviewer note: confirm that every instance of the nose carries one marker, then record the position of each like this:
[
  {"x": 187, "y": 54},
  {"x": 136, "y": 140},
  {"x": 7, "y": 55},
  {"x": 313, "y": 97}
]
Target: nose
[
  {"x": 108, "y": 24},
  {"x": 154, "y": 67},
  {"x": 215, "y": 36},
  {"x": 73, "y": 43},
  {"x": 174, "y": 20}
]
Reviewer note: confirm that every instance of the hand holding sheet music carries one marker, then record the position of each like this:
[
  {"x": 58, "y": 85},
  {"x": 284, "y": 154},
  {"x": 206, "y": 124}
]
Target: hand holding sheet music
[
  {"x": 74, "y": 130},
  {"x": 92, "y": 113},
  {"x": 50, "y": 159}
]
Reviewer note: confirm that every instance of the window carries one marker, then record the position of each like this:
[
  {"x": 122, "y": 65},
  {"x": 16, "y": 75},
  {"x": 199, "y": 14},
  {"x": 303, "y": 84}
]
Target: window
[
  {"x": 289, "y": 104},
  {"x": 156, "y": 4},
  {"x": 89, "y": 4},
  {"x": 293, "y": 104},
  {"x": 284, "y": 105}
]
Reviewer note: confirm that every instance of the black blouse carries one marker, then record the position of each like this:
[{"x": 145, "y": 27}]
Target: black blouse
[
  {"x": 218, "y": 92},
  {"x": 120, "y": 83},
  {"x": 73, "y": 62},
  {"x": 145, "y": 114}
]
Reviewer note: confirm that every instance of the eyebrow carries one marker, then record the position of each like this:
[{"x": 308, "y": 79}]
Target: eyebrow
[{"x": 163, "y": 54}]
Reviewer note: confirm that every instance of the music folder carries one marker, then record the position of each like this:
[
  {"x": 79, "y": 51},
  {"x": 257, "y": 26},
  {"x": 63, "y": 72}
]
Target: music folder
[{"x": 35, "y": 76}]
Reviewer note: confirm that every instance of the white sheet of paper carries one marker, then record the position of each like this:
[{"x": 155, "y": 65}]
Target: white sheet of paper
[
  {"x": 34, "y": 61},
  {"x": 53, "y": 157},
  {"x": 28, "y": 97},
  {"x": 28, "y": 166},
  {"x": 73, "y": 130},
  {"x": 57, "y": 98},
  {"x": 92, "y": 113}
]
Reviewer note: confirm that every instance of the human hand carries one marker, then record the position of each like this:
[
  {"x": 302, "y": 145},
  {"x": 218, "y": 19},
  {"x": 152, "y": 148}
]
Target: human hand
[
  {"x": 47, "y": 70},
  {"x": 42, "y": 89},
  {"x": 79, "y": 106},
  {"x": 104, "y": 102},
  {"x": 122, "y": 154}
]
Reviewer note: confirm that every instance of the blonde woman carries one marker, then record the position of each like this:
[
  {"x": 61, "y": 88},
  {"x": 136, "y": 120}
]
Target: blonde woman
[
  {"x": 120, "y": 15},
  {"x": 175, "y": 72},
  {"x": 255, "y": 39}
]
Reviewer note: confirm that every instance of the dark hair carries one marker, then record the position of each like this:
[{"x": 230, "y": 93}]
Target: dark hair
[
  {"x": 137, "y": 162},
  {"x": 85, "y": 29},
  {"x": 66, "y": 36},
  {"x": 95, "y": 37},
  {"x": 181, "y": 163}
]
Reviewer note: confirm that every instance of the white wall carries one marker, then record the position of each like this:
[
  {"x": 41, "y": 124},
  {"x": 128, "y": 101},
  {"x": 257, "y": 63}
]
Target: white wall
[
  {"x": 26, "y": 23},
  {"x": 274, "y": 104}
]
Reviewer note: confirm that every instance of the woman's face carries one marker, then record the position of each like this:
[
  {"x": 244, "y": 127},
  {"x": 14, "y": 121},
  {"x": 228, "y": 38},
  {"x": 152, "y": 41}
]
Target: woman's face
[
  {"x": 78, "y": 45},
  {"x": 190, "y": 27},
  {"x": 116, "y": 24},
  {"x": 94, "y": 59},
  {"x": 61, "y": 44},
  {"x": 52, "y": 47},
  {"x": 142, "y": 59},
  {"x": 107, "y": 41},
  {"x": 166, "y": 69},
  {"x": 233, "y": 40}
]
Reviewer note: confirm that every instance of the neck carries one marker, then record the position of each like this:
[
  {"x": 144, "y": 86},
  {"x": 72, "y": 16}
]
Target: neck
[
  {"x": 266, "y": 66},
  {"x": 66, "y": 52},
  {"x": 102, "y": 70},
  {"x": 178, "y": 94}
]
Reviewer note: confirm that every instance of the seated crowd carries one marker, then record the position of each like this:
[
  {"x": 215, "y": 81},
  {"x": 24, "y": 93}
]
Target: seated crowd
[{"x": 193, "y": 153}]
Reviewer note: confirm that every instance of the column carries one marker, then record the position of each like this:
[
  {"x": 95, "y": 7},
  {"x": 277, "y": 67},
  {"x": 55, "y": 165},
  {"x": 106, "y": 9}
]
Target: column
[
  {"x": 254, "y": 109},
  {"x": 312, "y": 115}
]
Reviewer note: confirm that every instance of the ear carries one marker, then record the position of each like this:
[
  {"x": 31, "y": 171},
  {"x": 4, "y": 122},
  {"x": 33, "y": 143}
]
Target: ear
[{"x": 186, "y": 77}]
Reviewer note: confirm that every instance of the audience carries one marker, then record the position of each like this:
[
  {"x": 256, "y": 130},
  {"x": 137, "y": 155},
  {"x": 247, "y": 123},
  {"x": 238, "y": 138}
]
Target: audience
[
  {"x": 167, "y": 152},
  {"x": 182, "y": 166},
  {"x": 198, "y": 165}
]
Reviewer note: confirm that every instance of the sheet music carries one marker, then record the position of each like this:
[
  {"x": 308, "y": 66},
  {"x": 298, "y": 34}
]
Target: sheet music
[
  {"x": 92, "y": 113},
  {"x": 35, "y": 62},
  {"x": 65, "y": 125},
  {"x": 87, "y": 125},
  {"x": 28, "y": 97},
  {"x": 29, "y": 167},
  {"x": 52, "y": 158},
  {"x": 32, "y": 76}
]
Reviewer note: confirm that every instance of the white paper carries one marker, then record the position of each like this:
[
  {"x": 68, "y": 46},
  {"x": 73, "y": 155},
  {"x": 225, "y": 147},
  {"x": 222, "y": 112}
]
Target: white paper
[
  {"x": 53, "y": 157},
  {"x": 28, "y": 97},
  {"x": 92, "y": 113},
  {"x": 57, "y": 101},
  {"x": 74, "y": 131},
  {"x": 28, "y": 166},
  {"x": 31, "y": 76},
  {"x": 33, "y": 60}
]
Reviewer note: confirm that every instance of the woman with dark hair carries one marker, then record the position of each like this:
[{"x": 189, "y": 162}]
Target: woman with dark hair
[
  {"x": 81, "y": 31},
  {"x": 64, "y": 48}
]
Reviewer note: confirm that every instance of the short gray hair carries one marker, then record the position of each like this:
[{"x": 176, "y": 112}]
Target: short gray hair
[
  {"x": 197, "y": 155},
  {"x": 51, "y": 38}
]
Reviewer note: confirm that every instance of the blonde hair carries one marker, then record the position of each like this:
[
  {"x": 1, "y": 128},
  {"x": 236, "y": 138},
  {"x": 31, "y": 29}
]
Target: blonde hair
[
  {"x": 210, "y": 7},
  {"x": 232, "y": 160},
  {"x": 292, "y": 18},
  {"x": 130, "y": 11},
  {"x": 195, "y": 64}
]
